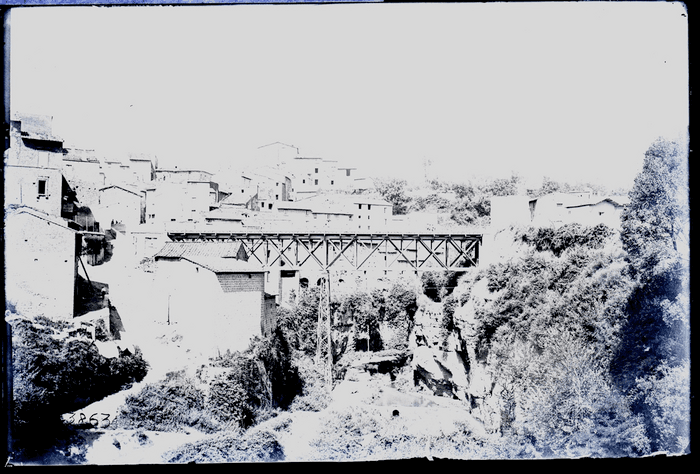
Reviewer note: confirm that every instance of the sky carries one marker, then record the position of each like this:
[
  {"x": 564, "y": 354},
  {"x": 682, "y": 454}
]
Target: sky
[{"x": 576, "y": 91}]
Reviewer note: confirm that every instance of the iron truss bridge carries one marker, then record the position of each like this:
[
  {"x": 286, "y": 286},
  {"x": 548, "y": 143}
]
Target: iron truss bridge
[{"x": 351, "y": 251}]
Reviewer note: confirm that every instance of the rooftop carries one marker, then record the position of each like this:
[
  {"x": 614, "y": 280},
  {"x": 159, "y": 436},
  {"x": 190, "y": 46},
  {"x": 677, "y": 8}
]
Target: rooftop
[
  {"x": 199, "y": 250},
  {"x": 225, "y": 265}
]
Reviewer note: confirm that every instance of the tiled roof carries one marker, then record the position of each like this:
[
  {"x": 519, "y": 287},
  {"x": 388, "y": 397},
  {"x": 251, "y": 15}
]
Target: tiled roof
[
  {"x": 198, "y": 250},
  {"x": 225, "y": 265},
  {"x": 15, "y": 210}
]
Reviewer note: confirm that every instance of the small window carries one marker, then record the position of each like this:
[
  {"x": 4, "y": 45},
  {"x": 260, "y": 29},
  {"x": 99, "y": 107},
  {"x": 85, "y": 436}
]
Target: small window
[
  {"x": 315, "y": 170},
  {"x": 360, "y": 206},
  {"x": 315, "y": 181},
  {"x": 303, "y": 181},
  {"x": 269, "y": 206},
  {"x": 41, "y": 187},
  {"x": 369, "y": 206},
  {"x": 347, "y": 172},
  {"x": 332, "y": 182}
]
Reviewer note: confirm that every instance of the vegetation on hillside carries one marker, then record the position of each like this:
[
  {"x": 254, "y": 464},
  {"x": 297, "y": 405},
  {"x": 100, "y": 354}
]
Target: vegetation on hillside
[
  {"x": 57, "y": 369},
  {"x": 468, "y": 202},
  {"x": 585, "y": 332},
  {"x": 231, "y": 393}
]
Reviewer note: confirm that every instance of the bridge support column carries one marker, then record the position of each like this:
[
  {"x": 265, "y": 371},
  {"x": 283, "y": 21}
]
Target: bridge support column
[{"x": 324, "y": 341}]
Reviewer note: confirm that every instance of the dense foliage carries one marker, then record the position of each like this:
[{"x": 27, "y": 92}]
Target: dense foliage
[
  {"x": 57, "y": 369},
  {"x": 233, "y": 391},
  {"x": 395, "y": 191},
  {"x": 548, "y": 333},
  {"x": 227, "y": 447},
  {"x": 172, "y": 404},
  {"x": 585, "y": 331},
  {"x": 559, "y": 239},
  {"x": 366, "y": 312},
  {"x": 651, "y": 364}
]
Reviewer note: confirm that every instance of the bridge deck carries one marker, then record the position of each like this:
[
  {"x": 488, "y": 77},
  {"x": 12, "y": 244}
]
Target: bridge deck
[{"x": 183, "y": 236}]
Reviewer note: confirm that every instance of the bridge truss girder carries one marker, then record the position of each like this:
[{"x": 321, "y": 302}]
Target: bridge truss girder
[{"x": 323, "y": 251}]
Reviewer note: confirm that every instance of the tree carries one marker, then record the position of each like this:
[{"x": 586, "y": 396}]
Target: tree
[
  {"x": 654, "y": 233},
  {"x": 505, "y": 186},
  {"x": 656, "y": 222},
  {"x": 394, "y": 191}
]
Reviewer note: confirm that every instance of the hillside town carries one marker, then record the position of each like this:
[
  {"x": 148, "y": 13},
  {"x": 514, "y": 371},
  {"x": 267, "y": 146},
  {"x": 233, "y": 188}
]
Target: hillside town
[
  {"x": 179, "y": 270},
  {"x": 302, "y": 233},
  {"x": 66, "y": 207}
]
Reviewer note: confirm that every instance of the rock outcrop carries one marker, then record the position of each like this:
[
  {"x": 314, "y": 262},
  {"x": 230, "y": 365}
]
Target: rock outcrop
[{"x": 445, "y": 361}]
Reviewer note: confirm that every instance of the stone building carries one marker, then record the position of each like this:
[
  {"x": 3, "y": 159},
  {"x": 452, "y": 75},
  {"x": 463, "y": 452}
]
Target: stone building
[
  {"x": 41, "y": 262},
  {"x": 217, "y": 299},
  {"x": 121, "y": 205},
  {"x": 33, "y": 168}
]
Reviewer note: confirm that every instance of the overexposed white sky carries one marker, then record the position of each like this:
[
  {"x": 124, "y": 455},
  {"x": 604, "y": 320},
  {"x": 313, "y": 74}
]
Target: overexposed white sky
[{"x": 572, "y": 90}]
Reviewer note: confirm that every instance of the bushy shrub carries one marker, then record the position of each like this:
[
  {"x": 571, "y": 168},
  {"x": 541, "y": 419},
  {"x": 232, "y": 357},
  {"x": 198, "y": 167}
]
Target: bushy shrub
[
  {"x": 565, "y": 237},
  {"x": 236, "y": 396},
  {"x": 230, "y": 447},
  {"x": 298, "y": 325},
  {"x": 57, "y": 369},
  {"x": 315, "y": 395},
  {"x": 172, "y": 404}
]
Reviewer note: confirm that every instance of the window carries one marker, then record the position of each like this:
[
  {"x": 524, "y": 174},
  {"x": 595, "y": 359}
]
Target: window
[
  {"x": 303, "y": 181},
  {"x": 41, "y": 187},
  {"x": 277, "y": 197},
  {"x": 347, "y": 172},
  {"x": 360, "y": 206},
  {"x": 369, "y": 206},
  {"x": 315, "y": 181},
  {"x": 332, "y": 183},
  {"x": 269, "y": 206},
  {"x": 315, "y": 170}
]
